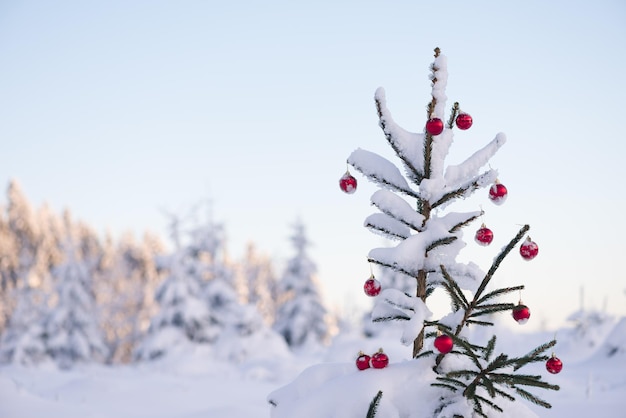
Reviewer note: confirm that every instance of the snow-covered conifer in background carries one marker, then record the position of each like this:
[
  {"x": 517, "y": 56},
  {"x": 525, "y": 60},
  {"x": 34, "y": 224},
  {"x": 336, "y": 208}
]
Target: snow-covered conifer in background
[
  {"x": 24, "y": 340},
  {"x": 301, "y": 318},
  {"x": 183, "y": 315},
  {"x": 126, "y": 284},
  {"x": 73, "y": 334},
  {"x": 258, "y": 273},
  {"x": 450, "y": 374}
]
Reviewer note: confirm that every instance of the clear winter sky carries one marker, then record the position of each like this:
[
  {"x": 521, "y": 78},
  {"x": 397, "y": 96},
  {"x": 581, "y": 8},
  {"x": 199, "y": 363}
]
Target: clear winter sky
[{"x": 119, "y": 110}]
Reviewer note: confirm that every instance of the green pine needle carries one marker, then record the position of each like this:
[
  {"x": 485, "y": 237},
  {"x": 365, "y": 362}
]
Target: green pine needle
[
  {"x": 391, "y": 318},
  {"x": 499, "y": 292},
  {"x": 477, "y": 322},
  {"x": 490, "y": 347},
  {"x": 371, "y": 412},
  {"x": 532, "y": 398}
]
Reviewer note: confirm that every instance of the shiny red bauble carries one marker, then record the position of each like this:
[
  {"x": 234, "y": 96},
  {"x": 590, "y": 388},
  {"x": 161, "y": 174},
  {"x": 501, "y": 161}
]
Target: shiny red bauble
[
  {"x": 434, "y": 126},
  {"x": 372, "y": 287},
  {"x": 484, "y": 236},
  {"x": 521, "y": 313},
  {"x": 498, "y": 193},
  {"x": 464, "y": 121},
  {"x": 363, "y": 361},
  {"x": 347, "y": 183},
  {"x": 554, "y": 365},
  {"x": 380, "y": 360},
  {"x": 444, "y": 343},
  {"x": 529, "y": 249}
]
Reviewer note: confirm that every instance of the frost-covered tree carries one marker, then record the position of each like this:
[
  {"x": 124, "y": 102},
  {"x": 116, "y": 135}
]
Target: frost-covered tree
[
  {"x": 127, "y": 281},
  {"x": 73, "y": 334},
  {"x": 183, "y": 314},
  {"x": 301, "y": 318},
  {"x": 241, "y": 329},
  {"x": 24, "y": 230},
  {"x": 24, "y": 340},
  {"x": 453, "y": 373},
  {"x": 258, "y": 273}
]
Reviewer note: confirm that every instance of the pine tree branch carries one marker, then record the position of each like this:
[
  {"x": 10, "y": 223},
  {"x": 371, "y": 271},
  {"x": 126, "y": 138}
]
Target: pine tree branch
[
  {"x": 505, "y": 395},
  {"x": 453, "y": 114},
  {"x": 488, "y": 402},
  {"x": 440, "y": 242},
  {"x": 493, "y": 308},
  {"x": 443, "y": 385},
  {"x": 476, "y": 322},
  {"x": 382, "y": 122},
  {"x": 391, "y": 318},
  {"x": 534, "y": 356},
  {"x": 389, "y": 213},
  {"x": 489, "y": 348},
  {"x": 453, "y": 382},
  {"x": 371, "y": 412},
  {"x": 425, "y": 354},
  {"x": 375, "y": 178},
  {"x": 499, "y": 292},
  {"x": 386, "y": 232},
  {"x": 466, "y": 222},
  {"x": 461, "y": 191},
  {"x": 453, "y": 289},
  {"x": 393, "y": 267},
  {"x": 496, "y": 262},
  {"x": 532, "y": 398},
  {"x": 404, "y": 307}
]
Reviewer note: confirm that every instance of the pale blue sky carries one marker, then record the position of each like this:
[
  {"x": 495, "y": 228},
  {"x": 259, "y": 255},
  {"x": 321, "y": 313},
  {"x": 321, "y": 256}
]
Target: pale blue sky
[{"x": 119, "y": 109}]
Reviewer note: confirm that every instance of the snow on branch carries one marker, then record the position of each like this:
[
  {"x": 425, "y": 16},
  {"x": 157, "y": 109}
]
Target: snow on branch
[
  {"x": 387, "y": 226},
  {"x": 455, "y": 220},
  {"x": 456, "y": 174},
  {"x": 440, "y": 81},
  {"x": 396, "y": 207},
  {"x": 380, "y": 171},
  {"x": 465, "y": 189},
  {"x": 404, "y": 307},
  {"x": 407, "y": 145},
  {"x": 420, "y": 251}
]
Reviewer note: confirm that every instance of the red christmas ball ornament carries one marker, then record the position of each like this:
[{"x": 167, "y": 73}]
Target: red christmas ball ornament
[
  {"x": 464, "y": 121},
  {"x": 498, "y": 193},
  {"x": 363, "y": 361},
  {"x": 347, "y": 183},
  {"x": 484, "y": 236},
  {"x": 554, "y": 365},
  {"x": 372, "y": 286},
  {"x": 380, "y": 360},
  {"x": 521, "y": 313},
  {"x": 444, "y": 343},
  {"x": 434, "y": 126},
  {"x": 529, "y": 249}
]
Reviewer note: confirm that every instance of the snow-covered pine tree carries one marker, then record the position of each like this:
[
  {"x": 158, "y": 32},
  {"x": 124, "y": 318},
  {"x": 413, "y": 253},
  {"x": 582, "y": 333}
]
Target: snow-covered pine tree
[
  {"x": 127, "y": 281},
  {"x": 302, "y": 318},
  {"x": 24, "y": 339},
  {"x": 460, "y": 378},
  {"x": 72, "y": 331},
  {"x": 258, "y": 273},
  {"x": 183, "y": 315}
]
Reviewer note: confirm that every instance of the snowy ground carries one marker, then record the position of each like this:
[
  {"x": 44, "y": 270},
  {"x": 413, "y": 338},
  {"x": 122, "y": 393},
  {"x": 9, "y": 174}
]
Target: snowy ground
[{"x": 194, "y": 383}]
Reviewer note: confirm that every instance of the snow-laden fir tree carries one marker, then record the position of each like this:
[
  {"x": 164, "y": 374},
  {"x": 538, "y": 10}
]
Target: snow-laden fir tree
[
  {"x": 257, "y": 272},
  {"x": 127, "y": 283},
  {"x": 24, "y": 339},
  {"x": 301, "y": 318},
  {"x": 72, "y": 330},
  {"x": 242, "y": 331},
  {"x": 471, "y": 380},
  {"x": 183, "y": 315}
]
